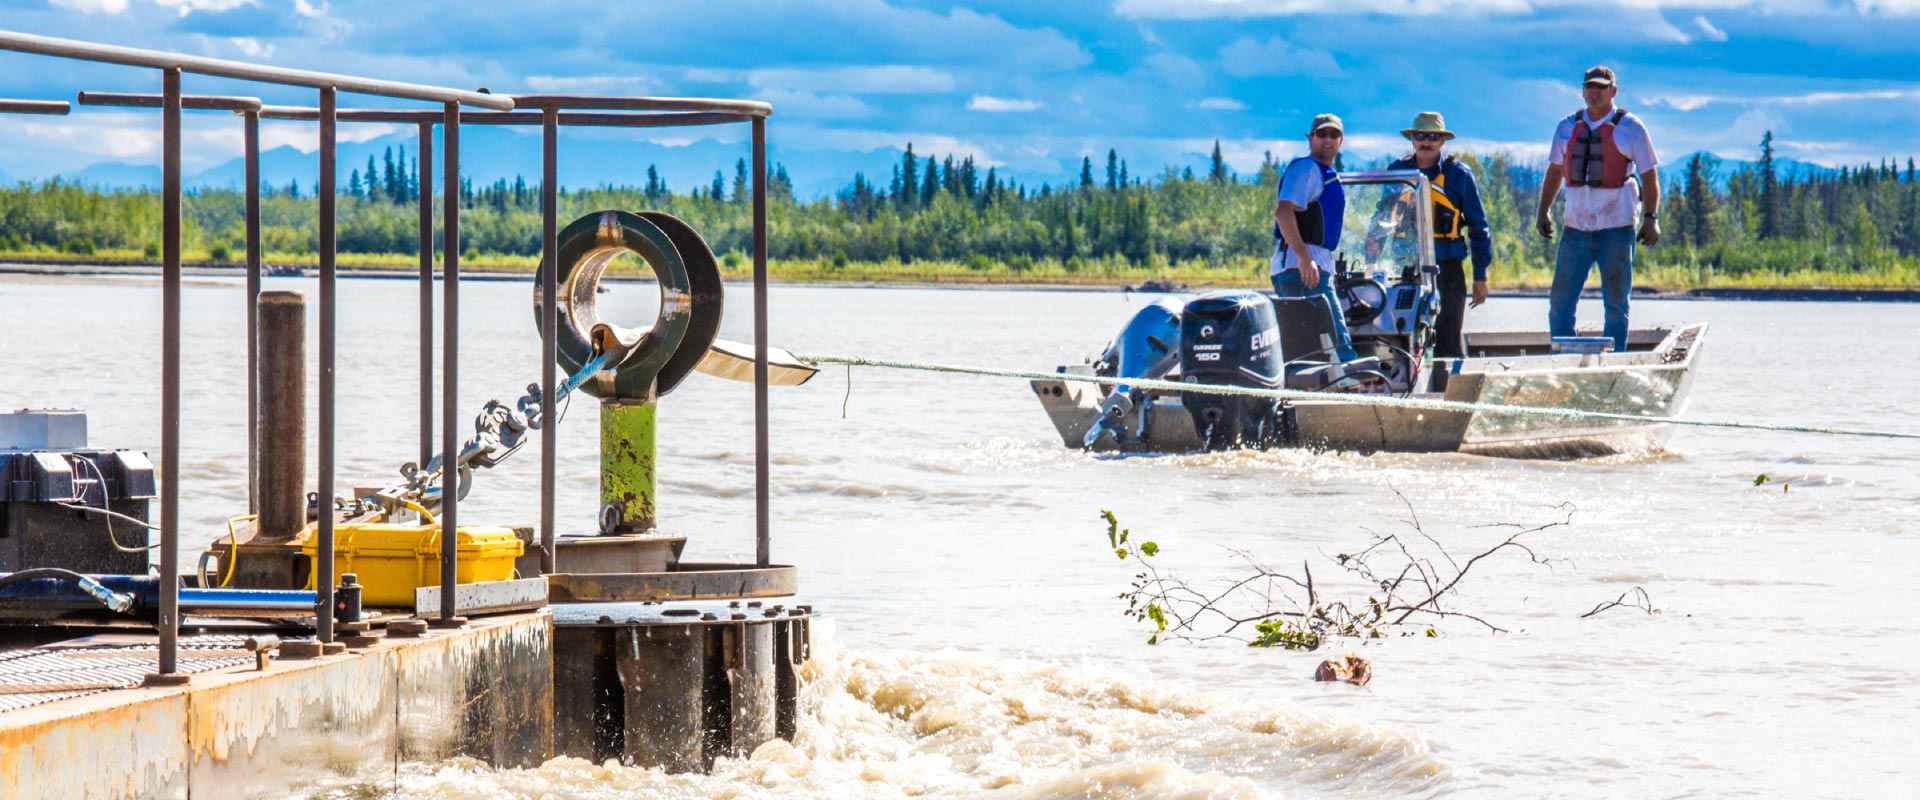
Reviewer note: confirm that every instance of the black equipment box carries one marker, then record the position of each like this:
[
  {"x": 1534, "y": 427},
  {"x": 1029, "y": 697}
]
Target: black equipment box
[{"x": 50, "y": 503}]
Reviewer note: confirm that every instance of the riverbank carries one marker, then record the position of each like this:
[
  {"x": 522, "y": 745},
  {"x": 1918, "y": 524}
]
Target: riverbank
[{"x": 916, "y": 276}]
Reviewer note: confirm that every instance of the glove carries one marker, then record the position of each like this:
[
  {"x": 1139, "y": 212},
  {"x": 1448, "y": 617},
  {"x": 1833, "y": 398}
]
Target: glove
[
  {"x": 1545, "y": 225},
  {"x": 1650, "y": 230}
]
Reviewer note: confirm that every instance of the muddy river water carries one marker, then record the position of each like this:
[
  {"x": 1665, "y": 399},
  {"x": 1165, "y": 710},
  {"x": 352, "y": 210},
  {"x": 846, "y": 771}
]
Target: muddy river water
[{"x": 977, "y": 648}]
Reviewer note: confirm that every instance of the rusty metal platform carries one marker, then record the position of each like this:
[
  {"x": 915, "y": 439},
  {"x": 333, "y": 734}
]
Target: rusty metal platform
[{"x": 102, "y": 663}]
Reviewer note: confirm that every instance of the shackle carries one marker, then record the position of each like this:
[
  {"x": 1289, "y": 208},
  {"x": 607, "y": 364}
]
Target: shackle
[{"x": 648, "y": 362}]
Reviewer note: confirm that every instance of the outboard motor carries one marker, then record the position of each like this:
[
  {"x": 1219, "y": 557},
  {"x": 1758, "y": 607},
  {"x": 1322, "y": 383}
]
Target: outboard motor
[
  {"x": 1145, "y": 348},
  {"x": 1231, "y": 338}
]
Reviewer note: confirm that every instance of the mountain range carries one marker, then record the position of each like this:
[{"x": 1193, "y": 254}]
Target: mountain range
[{"x": 492, "y": 153}]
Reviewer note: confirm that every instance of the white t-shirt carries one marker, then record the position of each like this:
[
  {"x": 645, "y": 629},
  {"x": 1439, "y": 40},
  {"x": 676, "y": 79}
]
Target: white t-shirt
[
  {"x": 1591, "y": 208},
  {"x": 1301, "y": 183}
]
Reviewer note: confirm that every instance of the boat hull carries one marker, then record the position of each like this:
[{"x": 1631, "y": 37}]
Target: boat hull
[{"x": 1505, "y": 369}]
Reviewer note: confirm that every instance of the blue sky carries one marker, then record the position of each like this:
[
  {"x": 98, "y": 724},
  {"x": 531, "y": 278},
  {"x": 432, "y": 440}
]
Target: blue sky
[{"x": 1027, "y": 87}]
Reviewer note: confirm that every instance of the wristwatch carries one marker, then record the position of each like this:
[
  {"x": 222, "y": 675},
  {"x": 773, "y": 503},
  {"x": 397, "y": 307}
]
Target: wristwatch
[{"x": 1652, "y": 215}]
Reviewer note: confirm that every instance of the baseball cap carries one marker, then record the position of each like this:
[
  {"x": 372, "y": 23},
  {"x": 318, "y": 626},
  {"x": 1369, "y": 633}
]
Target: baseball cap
[
  {"x": 1327, "y": 121},
  {"x": 1599, "y": 75}
]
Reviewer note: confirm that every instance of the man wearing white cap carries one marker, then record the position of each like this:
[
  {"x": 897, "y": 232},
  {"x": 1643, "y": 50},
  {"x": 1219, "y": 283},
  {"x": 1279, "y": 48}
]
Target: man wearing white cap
[
  {"x": 1605, "y": 157},
  {"x": 1306, "y": 225}
]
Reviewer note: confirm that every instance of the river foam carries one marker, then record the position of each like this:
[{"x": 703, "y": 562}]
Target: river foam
[{"x": 890, "y": 724}]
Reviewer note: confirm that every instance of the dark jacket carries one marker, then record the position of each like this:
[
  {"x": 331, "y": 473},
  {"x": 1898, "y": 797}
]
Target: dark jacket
[{"x": 1465, "y": 195}]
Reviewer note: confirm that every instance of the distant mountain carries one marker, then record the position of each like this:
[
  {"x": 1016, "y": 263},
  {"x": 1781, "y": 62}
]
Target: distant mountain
[
  {"x": 491, "y": 153},
  {"x": 116, "y": 175}
]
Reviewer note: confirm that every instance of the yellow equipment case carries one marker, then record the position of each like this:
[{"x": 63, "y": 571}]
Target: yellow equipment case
[{"x": 390, "y": 560}]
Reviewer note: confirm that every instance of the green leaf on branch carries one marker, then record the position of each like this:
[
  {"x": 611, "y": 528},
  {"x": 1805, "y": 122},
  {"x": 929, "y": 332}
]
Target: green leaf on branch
[
  {"x": 1159, "y": 617},
  {"x": 1149, "y": 549}
]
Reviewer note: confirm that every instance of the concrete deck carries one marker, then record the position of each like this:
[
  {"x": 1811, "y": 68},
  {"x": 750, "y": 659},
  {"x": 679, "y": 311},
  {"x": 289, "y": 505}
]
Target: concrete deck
[{"x": 341, "y": 722}]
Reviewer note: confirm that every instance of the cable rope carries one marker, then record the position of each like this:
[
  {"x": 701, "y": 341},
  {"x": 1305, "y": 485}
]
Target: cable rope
[{"x": 1352, "y": 399}]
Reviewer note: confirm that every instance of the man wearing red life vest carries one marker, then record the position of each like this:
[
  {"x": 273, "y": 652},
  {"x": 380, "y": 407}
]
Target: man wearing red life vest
[{"x": 1606, "y": 159}]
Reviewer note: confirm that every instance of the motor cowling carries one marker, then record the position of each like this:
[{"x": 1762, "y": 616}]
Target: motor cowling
[{"x": 1231, "y": 338}]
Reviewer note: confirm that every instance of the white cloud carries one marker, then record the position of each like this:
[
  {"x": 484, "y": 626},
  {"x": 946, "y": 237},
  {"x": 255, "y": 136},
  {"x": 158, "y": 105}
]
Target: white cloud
[
  {"x": 1245, "y": 9},
  {"x": 802, "y": 103},
  {"x": 1707, "y": 31},
  {"x": 1242, "y": 9},
  {"x": 1891, "y": 8},
  {"x": 1220, "y": 104},
  {"x": 1694, "y": 102},
  {"x": 252, "y": 47},
  {"x": 981, "y": 102},
  {"x": 93, "y": 6},
  {"x": 594, "y": 84},
  {"x": 186, "y": 7},
  {"x": 1245, "y": 58},
  {"x": 855, "y": 80}
]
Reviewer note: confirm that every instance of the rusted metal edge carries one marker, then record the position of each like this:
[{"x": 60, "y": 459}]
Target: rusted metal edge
[{"x": 689, "y": 582}]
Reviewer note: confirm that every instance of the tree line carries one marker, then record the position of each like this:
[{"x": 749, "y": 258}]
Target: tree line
[{"x": 942, "y": 208}]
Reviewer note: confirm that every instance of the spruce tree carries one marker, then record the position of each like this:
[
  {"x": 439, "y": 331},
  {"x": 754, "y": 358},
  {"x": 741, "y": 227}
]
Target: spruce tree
[
  {"x": 1769, "y": 191},
  {"x": 1218, "y": 173},
  {"x": 909, "y": 190},
  {"x": 1086, "y": 172},
  {"x": 1113, "y": 170},
  {"x": 390, "y": 177}
]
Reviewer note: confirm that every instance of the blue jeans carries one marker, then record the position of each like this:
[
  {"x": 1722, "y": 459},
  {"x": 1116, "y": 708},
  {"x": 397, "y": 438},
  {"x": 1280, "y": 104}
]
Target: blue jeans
[
  {"x": 1612, "y": 249},
  {"x": 1287, "y": 284}
]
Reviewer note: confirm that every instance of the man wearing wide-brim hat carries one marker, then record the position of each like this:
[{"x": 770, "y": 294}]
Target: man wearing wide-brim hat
[
  {"x": 1459, "y": 220},
  {"x": 1606, "y": 159}
]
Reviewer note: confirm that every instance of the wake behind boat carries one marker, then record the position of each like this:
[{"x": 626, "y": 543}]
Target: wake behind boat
[{"x": 1256, "y": 340}]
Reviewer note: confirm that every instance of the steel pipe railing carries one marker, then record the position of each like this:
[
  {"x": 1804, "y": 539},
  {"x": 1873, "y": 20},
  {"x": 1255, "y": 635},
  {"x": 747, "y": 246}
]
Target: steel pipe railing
[
  {"x": 549, "y": 331},
  {"x": 323, "y": 553},
  {"x": 661, "y": 112},
  {"x": 169, "y": 619},
  {"x": 248, "y": 108},
  {"x": 762, "y": 469},
  {"x": 450, "y": 371},
  {"x": 425, "y": 182},
  {"x": 550, "y": 118},
  {"x": 53, "y": 108},
  {"x": 577, "y": 119},
  {"x": 172, "y": 66},
  {"x": 196, "y": 102},
  {"x": 221, "y": 68}
]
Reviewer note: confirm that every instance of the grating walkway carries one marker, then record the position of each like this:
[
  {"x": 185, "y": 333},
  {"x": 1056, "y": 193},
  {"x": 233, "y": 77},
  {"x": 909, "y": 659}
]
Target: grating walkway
[{"x": 71, "y": 669}]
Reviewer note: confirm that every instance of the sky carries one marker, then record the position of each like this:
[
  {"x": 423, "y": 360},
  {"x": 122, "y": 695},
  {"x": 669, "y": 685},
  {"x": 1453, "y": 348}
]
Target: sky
[{"x": 1028, "y": 88}]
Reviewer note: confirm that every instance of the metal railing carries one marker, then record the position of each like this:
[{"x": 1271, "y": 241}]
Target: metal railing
[
  {"x": 554, "y": 111},
  {"x": 172, "y": 67},
  {"x": 653, "y": 112}
]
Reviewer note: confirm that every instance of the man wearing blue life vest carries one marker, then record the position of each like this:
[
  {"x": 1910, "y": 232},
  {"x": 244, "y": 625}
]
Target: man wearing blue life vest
[
  {"x": 1458, "y": 218},
  {"x": 1605, "y": 157},
  {"x": 1306, "y": 225}
]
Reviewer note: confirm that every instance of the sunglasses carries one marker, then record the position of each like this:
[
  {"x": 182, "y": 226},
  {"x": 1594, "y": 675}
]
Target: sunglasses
[
  {"x": 1429, "y": 137},
  {"x": 1328, "y": 133}
]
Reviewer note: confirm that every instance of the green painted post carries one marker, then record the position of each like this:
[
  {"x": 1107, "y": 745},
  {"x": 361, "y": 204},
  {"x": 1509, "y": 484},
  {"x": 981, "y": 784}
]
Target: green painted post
[{"x": 627, "y": 479}]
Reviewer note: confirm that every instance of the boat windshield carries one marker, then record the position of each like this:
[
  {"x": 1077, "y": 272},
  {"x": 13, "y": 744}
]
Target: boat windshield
[{"x": 1382, "y": 231}]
